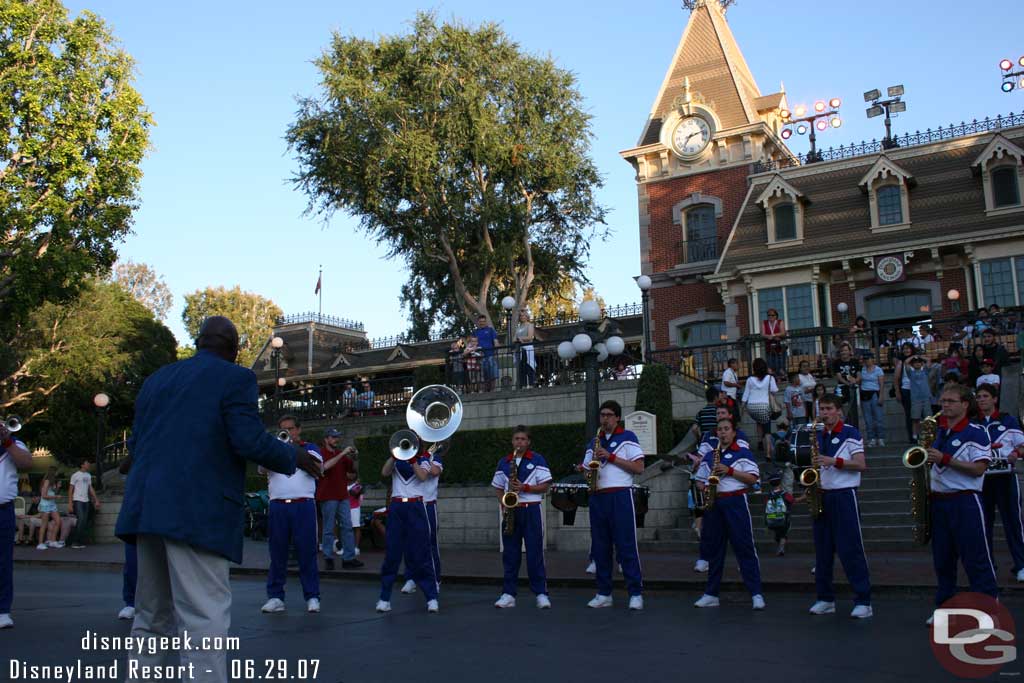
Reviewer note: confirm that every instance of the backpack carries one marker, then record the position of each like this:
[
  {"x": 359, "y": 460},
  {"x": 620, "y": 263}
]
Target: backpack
[{"x": 775, "y": 513}]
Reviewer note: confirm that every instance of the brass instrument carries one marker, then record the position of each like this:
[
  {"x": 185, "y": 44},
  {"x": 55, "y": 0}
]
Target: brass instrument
[
  {"x": 916, "y": 458},
  {"x": 13, "y": 423},
  {"x": 510, "y": 500},
  {"x": 433, "y": 415},
  {"x": 810, "y": 478},
  {"x": 284, "y": 437},
  {"x": 711, "y": 490},
  {"x": 591, "y": 469}
]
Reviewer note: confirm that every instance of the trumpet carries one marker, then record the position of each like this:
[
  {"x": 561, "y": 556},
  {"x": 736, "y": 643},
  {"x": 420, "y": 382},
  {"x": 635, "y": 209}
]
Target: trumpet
[
  {"x": 12, "y": 423},
  {"x": 284, "y": 437}
]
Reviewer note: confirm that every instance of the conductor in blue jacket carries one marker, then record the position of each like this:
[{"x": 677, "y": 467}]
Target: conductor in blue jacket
[{"x": 196, "y": 425}]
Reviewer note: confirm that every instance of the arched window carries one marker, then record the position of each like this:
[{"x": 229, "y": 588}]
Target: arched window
[
  {"x": 890, "y": 205},
  {"x": 1005, "y": 191},
  {"x": 785, "y": 221},
  {"x": 701, "y": 234}
]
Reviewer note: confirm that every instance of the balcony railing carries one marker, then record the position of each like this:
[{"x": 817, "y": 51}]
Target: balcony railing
[
  {"x": 296, "y": 318},
  {"x": 697, "y": 251}
]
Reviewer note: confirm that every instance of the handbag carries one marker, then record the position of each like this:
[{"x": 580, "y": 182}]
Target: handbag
[{"x": 774, "y": 406}]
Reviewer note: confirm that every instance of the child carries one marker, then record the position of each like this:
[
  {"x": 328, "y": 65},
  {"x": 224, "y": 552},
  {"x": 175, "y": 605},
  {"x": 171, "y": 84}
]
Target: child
[
  {"x": 776, "y": 511},
  {"x": 987, "y": 376},
  {"x": 819, "y": 393},
  {"x": 796, "y": 412},
  {"x": 687, "y": 364},
  {"x": 920, "y": 392}
]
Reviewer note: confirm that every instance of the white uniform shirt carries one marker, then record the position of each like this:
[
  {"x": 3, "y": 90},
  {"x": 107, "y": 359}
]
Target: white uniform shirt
[
  {"x": 405, "y": 483},
  {"x": 297, "y": 485},
  {"x": 622, "y": 444},
  {"x": 431, "y": 484},
  {"x": 534, "y": 471},
  {"x": 9, "y": 476},
  {"x": 965, "y": 441},
  {"x": 737, "y": 457},
  {"x": 843, "y": 441},
  {"x": 1005, "y": 432}
]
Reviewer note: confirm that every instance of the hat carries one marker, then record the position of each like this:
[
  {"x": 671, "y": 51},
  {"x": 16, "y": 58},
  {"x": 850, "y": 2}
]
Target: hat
[
  {"x": 868, "y": 354},
  {"x": 774, "y": 477},
  {"x": 988, "y": 361},
  {"x": 331, "y": 431}
]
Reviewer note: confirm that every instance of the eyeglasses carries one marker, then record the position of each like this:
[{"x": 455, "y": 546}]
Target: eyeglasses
[{"x": 606, "y": 414}]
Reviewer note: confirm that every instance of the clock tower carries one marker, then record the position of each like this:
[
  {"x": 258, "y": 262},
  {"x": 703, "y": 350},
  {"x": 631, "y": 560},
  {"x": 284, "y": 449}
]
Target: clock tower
[{"x": 709, "y": 124}]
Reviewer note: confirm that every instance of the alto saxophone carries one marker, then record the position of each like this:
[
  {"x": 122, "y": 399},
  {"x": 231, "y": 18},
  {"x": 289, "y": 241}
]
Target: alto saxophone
[
  {"x": 811, "y": 479},
  {"x": 510, "y": 500},
  {"x": 916, "y": 458},
  {"x": 591, "y": 469},
  {"x": 711, "y": 490}
]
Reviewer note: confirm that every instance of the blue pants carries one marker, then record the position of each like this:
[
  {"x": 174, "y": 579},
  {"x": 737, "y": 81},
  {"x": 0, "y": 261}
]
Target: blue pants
[
  {"x": 837, "y": 531},
  {"x": 408, "y": 537},
  {"x": 130, "y": 574},
  {"x": 874, "y": 418},
  {"x": 288, "y": 524},
  {"x": 337, "y": 512},
  {"x": 435, "y": 550},
  {"x": 613, "y": 524},
  {"x": 958, "y": 532},
  {"x": 1003, "y": 491},
  {"x": 729, "y": 519},
  {"x": 6, "y": 557},
  {"x": 528, "y": 526}
]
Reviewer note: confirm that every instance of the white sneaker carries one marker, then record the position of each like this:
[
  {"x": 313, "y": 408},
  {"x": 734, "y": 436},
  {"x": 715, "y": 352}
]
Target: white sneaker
[
  {"x": 1020, "y": 575},
  {"x": 872, "y": 442},
  {"x": 52, "y": 544},
  {"x": 881, "y": 442},
  {"x": 42, "y": 546},
  {"x": 505, "y": 601},
  {"x": 543, "y": 602},
  {"x": 273, "y": 605},
  {"x": 862, "y": 612},
  {"x": 592, "y": 567},
  {"x": 58, "y": 544},
  {"x": 758, "y": 602},
  {"x": 313, "y": 605},
  {"x": 127, "y": 612},
  {"x": 600, "y": 601},
  {"x": 432, "y": 606},
  {"x": 822, "y": 607},
  {"x": 409, "y": 587},
  {"x": 357, "y": 552},
  {"x": 383, "y": 606},
  {"x": 701, "y": 566},
  {"x": 6, "y": 621},
  {"x": 707, "y": 601},
  {"x": 636, "y": 602}
]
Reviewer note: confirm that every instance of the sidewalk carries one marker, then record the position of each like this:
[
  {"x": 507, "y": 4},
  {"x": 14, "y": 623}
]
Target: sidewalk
[{"x": 890, "y": 572}]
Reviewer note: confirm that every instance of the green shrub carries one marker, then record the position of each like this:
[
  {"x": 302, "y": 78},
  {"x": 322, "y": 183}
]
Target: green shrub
[
  {"x": 425, "y": 375},
  {"x": 654, "y": 395}
]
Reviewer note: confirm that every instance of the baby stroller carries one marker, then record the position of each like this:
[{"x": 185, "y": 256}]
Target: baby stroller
[{"x": 256, "y": 505}]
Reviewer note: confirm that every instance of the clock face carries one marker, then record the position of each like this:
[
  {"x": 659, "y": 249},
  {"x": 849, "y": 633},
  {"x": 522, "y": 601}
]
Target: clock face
[{"x": 691, "y": 136}]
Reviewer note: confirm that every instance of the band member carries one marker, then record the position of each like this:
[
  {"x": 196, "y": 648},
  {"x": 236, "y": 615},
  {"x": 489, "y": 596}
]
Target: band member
[
  {"x": 430, "y": 498},
  {"x": 729, "y": 516},
  {"x": 612, "y": 513},
  {"x": 959, "y": 457},
  {"x": 408, "y": 532},
  {"x": 840, "y": 461},
  {"x": 708, "y": 443},
  {"x": 292, "y": 520},
  {"x": 533, "y": 479},
  {"x": 1001, "y": 488},
  {"x": 14, "y": 456}
]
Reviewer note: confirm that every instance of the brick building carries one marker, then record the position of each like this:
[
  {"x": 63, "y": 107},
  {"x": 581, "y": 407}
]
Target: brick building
[{"x": 733, "y": 223}]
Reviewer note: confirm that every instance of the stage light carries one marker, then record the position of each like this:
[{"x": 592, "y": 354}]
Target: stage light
[
  {"x": 898, "y": 107},
  {"x": 1007, "y": 86},
  {"x": 875, "y": 111},
  {"x": 1006, "y": 65},
  {"x": 835, "y": 102},
  {"x": 1021, "y": 61},
  {"x": 787, "y": 133},
  {"x": 822, "y": 124},
  {"x": 1021, "y": 84},
  {"x": 801, "y": 110},
  {"x": 819, "y": 106},
  {"x": 895, "y": 91},
  {"x": 836, "y": 122},
  {"x": 872, "y": 95},
  {"x": 802, "y": 129},
  {"x": 784, "y": 113}
]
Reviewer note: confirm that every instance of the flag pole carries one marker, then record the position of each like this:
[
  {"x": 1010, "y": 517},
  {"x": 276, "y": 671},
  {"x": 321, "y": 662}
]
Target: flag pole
[{"x": 320, "y": 291}]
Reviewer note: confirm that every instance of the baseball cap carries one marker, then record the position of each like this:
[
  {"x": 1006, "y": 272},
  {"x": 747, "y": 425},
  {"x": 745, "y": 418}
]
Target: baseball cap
[
  {"x": 774, "y": 477},
  {"x": 988, "y": 361},
  {"x": 331, "y": 431}
]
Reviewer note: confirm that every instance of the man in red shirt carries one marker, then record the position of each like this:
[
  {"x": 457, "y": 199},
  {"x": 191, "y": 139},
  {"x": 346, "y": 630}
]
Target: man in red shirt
[{"x": 340, "y": 469}]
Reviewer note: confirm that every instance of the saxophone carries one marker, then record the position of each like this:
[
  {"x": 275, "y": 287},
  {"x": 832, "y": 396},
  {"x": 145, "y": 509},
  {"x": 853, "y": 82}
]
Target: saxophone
[
  {"x": 510, "y": 500},
  {"x": 811, "y": 479},
  {"x": 591, "y": 469},
  {"x": 916, "y": 458},
  {"x": 711, "y": 490}
]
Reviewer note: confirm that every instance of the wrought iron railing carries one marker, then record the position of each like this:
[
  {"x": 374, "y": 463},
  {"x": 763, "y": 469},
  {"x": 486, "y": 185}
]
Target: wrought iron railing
[
  {"x": 338, "y": 399},
  {"x": 696, "y": 251},
  {"x": 907, "y": 140},
  {"x": 619, "y": 311},
  {"x": 319, "y": 318}
]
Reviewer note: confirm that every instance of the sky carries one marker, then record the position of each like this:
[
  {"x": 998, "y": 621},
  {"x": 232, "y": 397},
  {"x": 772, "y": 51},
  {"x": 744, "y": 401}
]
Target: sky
[{"x": 221, "y": 80}]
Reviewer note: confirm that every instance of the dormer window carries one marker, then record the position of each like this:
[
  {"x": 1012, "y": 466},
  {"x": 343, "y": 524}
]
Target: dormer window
[
  {"x": 785, "y": 221},
  {"x": 1001, "y": 165},
  {"x": 783, "y": 205},
  {"x": 887, "y": 186}
]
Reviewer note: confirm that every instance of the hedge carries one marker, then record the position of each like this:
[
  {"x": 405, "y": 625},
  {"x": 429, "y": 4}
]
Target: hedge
[{"x": 654, "y": 395}]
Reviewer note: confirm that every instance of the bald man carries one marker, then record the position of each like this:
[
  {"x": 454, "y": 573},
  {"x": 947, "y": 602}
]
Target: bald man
[{"x": 196, "y": 425}]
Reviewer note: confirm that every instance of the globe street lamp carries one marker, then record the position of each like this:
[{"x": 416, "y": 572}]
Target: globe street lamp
[
  {"x": 594, "y": 347},
  {"x": 102, "y": 402},
  {"x": 644, "y": 283},
  {"x": 842, "y": 307},
  {"x": 277, "y": 344},
  {"x": 508, "y": 303},
  {"x": 954, "y": 299}
]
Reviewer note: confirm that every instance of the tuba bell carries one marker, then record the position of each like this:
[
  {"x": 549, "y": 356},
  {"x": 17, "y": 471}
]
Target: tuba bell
[
  {"x": 13, "y": 423},
  {"x": 404, "y": 444},
  {"x": 434, "y": 413},
  {"x": 284, "y": 437}
]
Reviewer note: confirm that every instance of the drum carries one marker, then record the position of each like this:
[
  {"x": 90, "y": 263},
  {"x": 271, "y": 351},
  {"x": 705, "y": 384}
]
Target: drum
[
  {"x": 800, "y": 447},
  {"x": 565, "y": 498},
  {"x": 641, "y": 496}
]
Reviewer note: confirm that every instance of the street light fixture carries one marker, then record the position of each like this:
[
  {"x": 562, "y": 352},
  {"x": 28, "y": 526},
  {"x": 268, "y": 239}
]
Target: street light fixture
[
  {"x": 508, "y": 303},
  {"x": 954, "y": 299},
  {"x": 644, "y": 283},
  {"x": 1010, "y": 77},
  {"x": 825, "y": 114},
  {"x": 592, "y": 345},
  {"x": 277, "y": 344},
  {"x": 843, "y": 308},
  {"x": 102, "y": 402},
  {"x": 893, "y": 105}
]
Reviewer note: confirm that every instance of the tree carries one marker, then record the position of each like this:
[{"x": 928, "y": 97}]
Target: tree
[
  {"x": 103, "y": 341},
  {"x": 73, "y": 135},
  {"x": 464, "y": 155},
  {"x": 252, "y": 314},
  {"x": 145, "y": 286},
  {"x": 561, "y": 304}
]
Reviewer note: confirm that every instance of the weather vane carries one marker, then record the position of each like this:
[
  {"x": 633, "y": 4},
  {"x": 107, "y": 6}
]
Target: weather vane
[{"x": 694, "y": 4}]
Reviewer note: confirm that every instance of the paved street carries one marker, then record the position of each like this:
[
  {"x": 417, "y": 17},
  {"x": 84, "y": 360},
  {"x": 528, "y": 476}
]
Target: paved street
[{"x": 471, "y": 641}]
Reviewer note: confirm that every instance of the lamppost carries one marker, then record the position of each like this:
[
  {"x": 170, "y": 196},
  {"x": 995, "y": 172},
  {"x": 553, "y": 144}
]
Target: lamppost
[
  {"x": 101, "y": 401},
  {"x": 594, "y": 347},
  {"x": 644, "y": 283},
  {"x": 879, "y": 106},
  {"x": 842, "y": 307},
  {"x": 508, "y": 303},
  {"x": 825, "y": 115},
  {"x": 277, "y": 344},
  {"x": 954, "y": 299}
]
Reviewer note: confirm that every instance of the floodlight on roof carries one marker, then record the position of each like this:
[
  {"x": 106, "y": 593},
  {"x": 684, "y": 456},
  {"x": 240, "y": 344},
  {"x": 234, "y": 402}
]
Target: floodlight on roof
[
  {"x": 875, "y": 111},
  {"x": 800, "y": 110},
  {"x": 822, "y": 124},
  {"x": 787, "y": 133},
  {"x": 898, "y": 107},
  {"x": 835, "y": 102},
  {"x": 785, "y": 114},
  {"x": 802, "y": 129},
  {"x": 819, "y": 106},
  {"x": 1021, "y": 61},
  {"x": 895, "y": 91},
  {"x": 1006, "y": 64},
  {"x": 836, "y": 122},
  {"x": 872, "y": 95},
  {"x": 1007, "y": 86}
]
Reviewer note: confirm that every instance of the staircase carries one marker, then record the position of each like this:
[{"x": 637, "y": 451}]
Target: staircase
[{"x": 884, "y": 500}]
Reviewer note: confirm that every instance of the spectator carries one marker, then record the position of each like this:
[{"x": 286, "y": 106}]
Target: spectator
[
  {"x": 26, "y": 524},
  {"x": 623, "y": 371},
  {"x": 861, "y": 336},
  {"x": 348, "y": 397},
  {"x": 364, "y": 399},
  {"x": 908, "y": 336},
  {"x": 731, "y": 380},
  {"x": 872, "y": 398},
  {"x": 954, "y": 361},
  {"x": 774, "y": 331},
  {"x": 987, "y": 374},
  {"x": 13, "y": 457},
  {"x": 996, "y": 321},
  {"x": 935, "y": 382},
  {"x": 471, "y": 357},
  {"x": 355, "y": 503},
  {"x": 981, "y": 322},
  {"x": 776, "y": 511},
  {"x": 974, "y": 370},
  {"x": 332, "y": 494},
  {"x": 847, "y": 373},
  {"x": 757, "y": 398},
  {"x": 796, "y": 410},
  {"x": 891, "y": 346},
  {"x": 687, "y": 364},
  {"x": 706, "y": 420},
  {"x": 807, "y": 383},
  {"x": 994, "y": 350},
  {"x": 901, "y": 386},
  {"x": 487, "y": 337},
  {"x": 49, "y": 518},
  {"x": 458, "y": 377},
  {"x": 920, "y": 392},
  {"x": 819, "y": 393},
  {"x": 525, "y": 335},
  {"x": 951, "y": 378},
  {"x": 81, "y": 491}
]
